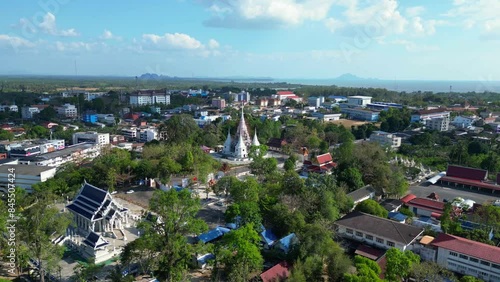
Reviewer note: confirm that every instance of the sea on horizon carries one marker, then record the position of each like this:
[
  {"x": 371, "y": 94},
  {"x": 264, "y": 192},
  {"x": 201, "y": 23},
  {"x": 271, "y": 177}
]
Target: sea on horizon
[{"x": 409, "y": 86}]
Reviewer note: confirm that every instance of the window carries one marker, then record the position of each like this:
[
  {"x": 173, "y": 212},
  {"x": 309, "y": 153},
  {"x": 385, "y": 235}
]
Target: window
[
  {"x": 359, "y": 234},
  {"x": 453, "y": 254},
  {"x": 369, "y": 237},
  {"x": 472, "y": 270},
  {"x": 452, "y": 264},
  {"x": 379, "y": 240},
  {"x": 484, "y": 274},
  {"x": 495, "y": 266},
  {"x": 390, "y": 244},
  {"x": 474, "y": 260},
  {"x": 485, "y": 263},
  {"x": 463, "y": 256},
  {"x": 349, "y": 231}
]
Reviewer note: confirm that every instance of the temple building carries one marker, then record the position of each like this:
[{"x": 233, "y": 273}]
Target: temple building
[
  {"x": 96, "y": 216},
  {"x": 237, "y": 148}
]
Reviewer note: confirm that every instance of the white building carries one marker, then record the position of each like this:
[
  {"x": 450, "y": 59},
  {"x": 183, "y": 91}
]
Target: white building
[
  {"x": 106, "y": 118},
  {"x": 91, "y": 137},
  {"x": 315, "y": 101},
  {"x": 25, "y": 176},
  {"x": 464, "y": 122},
  {"x": 147, "y": 134},
  {"x": 96, "y": 216},
  {"x": 10, "y": 108},
  {"x": 358, "y": 101},
  {"x": 439, "y": 124},
  {"x": 67, "y": 110},
  {"x": 71, "y": 154},
  {"x": 424, "y": 115},
  {"x": 467, "y": 257},
  {"x": 376, "y": 231},
  {"x": 29, "y": 112},
  {"x": 129, "y": 133},
  {"x": 386, "y": 139},
  {"x": 150, "y": 97},
  {"x": 238, "y": 148}
]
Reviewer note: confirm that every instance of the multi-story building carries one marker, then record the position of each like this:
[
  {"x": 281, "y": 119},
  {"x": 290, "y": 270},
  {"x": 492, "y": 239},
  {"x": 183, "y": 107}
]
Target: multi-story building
[
  {"x": 24, "y": 150},
  {"x": 106, "y": 118},
  {"x": 29, "y": 112},
  {"x": 147, "y": 134},
  {"x": 386, "y": 139},
  {"x": 382, "y": 106},
  {"x": 315, "y": 101},
  {"x": 89, "y": 118},
  {"x": 358, "y": 101},
  {"x": 378, "y": 232},
  {"x": 219, "y": 103},
  {"x": 26, "y": 176},
  {"x": 74, "y": 154},
  {"x": 149, "y": 97},
  {"x": 463, "y": 121},
  {"x": 467, "y": 257},
  {"x": 423, "y": 115},
  {"x": 67, "y": 110},
  {"x": 10, "y": 108},
  {"x": 91, "y": 137},
  {"x": 439, "y": 124},
  {"x": 360, "y": 113},
  {"x": 129, "y": 133},
  {"x": 287, "y": 95}
]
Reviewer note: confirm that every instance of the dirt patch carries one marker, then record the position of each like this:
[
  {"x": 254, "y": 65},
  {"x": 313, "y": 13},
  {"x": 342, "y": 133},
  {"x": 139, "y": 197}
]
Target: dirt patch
[{"x": 347, "y": 123}]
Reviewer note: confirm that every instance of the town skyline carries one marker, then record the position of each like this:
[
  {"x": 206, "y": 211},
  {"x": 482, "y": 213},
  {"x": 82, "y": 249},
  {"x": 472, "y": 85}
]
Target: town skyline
[{"x": 452, "y": 40}]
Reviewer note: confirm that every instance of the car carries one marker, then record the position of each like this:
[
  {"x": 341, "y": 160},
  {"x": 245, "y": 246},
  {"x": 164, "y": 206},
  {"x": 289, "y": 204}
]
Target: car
[
  {"x": 220, "y": 204},
  {"x": 114, "y": 192},
  {"x": 130, "y": 191}
]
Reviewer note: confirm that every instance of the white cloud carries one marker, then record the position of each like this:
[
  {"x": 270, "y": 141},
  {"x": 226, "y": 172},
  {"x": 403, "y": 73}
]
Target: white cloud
[
  {"x": 15, "y": 42},
  {"x": 77, "y": 46},
  {"x": 172, "y": 41},
  {"x": 481, "y": 14},
  {"x": 333, "y": 24},
  {"x": 108, "y": 35},
  {"x": 413, "y": 47},
  {"x": 382, "y": 15},
  {"x": 48, "y": 25},
  {"x": 414, "y": 11},
  {"x": 213, "y": 44},
  {"x": 265, "y": 13}
]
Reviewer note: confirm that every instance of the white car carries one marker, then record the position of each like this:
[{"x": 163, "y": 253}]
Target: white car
[
  {"x": 130, "y": 191},
  {"x": 114, "y": 192}
]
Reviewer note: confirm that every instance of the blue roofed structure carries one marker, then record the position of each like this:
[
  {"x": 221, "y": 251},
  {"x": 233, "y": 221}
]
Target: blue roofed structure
[
  {"x": 285, "y": 243},
  {"x": 397, "y": 216},
  {"x": 268, "y": 237},
  {"x": 213, "y": 234}
]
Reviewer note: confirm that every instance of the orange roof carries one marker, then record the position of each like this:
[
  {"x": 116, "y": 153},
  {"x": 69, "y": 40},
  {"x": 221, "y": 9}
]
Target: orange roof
[{"x": 325, "y": 158}]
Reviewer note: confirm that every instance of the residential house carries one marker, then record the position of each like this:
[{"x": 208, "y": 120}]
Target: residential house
[
  {"x": 286, "y": 243},
  {"x": 213, "y": 234},
  {"x": 376, "y": 231},
  {"x": 426, "y": 207},
  {"x": 362, "y": 194},
  {"x": 279, "y": 272}
]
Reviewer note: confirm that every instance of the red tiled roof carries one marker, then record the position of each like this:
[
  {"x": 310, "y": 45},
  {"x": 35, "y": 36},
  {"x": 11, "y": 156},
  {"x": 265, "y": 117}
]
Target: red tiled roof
[
  {"x": 427, "y": 204},
  {"x": 466, "y": 172},
  {"x": 369, "y": 252},
  {"x": 434, "y": 111},
  {"x": 285, "y": 93},
  {"x": 436, "y": 215},
  {"x": 276, "y": 273},
  {"x": 467, "y": 247},
  {"x": 322, "y": 159},
  {"x": 470, "y": 182},
  {"x": 408, "y": 198}
]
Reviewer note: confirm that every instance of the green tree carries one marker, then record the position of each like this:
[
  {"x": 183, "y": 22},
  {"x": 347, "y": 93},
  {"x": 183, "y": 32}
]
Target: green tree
[
  {"x": 47, "y": 114},
  {"x": 188, "y": 162},
  {"x": 6, "y": 135},
  {"x": 399, "y": 264},
  {"x": 366, "y": 270},
  {"x": 181, "y": 129},
  {"x": 38, "y": 224},
  {"x": 239, "y": 253},
  {"x": 372, "y": 207},
  {"x": 86, "y": 272},
  {"x": 352, "y": 177},
  {"x": 290, "y": 163},
  {"x": 164, "y": 243}
]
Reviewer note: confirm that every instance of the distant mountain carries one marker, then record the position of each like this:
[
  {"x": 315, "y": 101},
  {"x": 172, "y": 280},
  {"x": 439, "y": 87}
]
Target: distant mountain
[
  {"x": 349, "y": 76},
  {"x": 154, "y": 76}
]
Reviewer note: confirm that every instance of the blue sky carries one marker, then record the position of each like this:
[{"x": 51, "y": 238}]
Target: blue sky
[{"x": 386, "y": 39}]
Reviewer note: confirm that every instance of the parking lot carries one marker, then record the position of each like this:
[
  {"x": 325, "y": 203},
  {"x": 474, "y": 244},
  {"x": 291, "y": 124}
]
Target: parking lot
[{"x": 450, "y": 193}]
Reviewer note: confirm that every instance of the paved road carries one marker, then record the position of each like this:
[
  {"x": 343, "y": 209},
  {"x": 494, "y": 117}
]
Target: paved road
[{"x": 450, "y": 194}]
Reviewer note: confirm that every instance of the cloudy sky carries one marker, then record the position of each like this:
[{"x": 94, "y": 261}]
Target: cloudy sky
[{"x": 387, "y": 39}]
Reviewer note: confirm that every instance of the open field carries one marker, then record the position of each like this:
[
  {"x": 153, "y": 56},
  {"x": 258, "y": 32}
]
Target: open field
[{"x": 347, "y": 123}]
